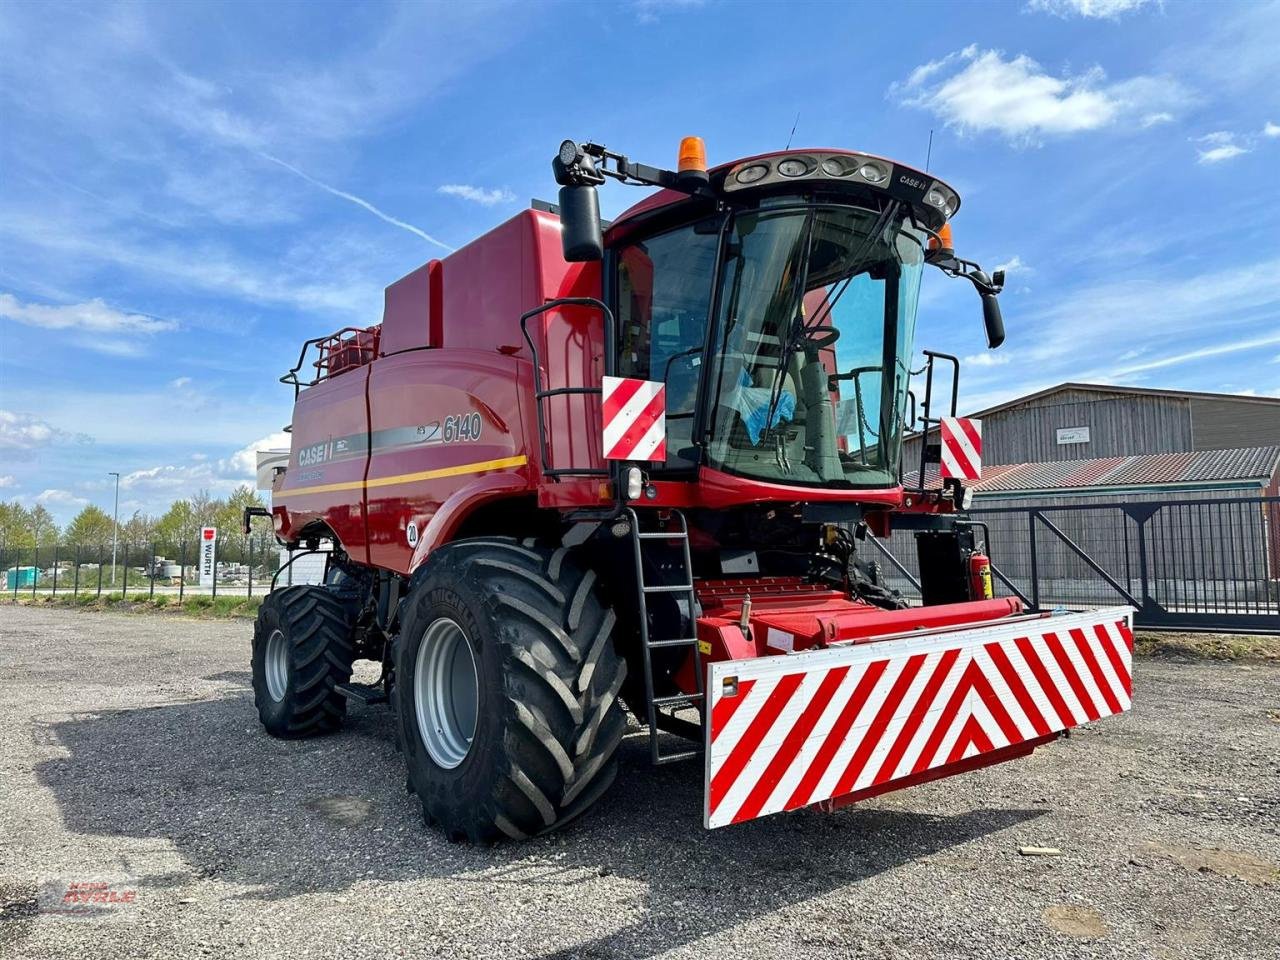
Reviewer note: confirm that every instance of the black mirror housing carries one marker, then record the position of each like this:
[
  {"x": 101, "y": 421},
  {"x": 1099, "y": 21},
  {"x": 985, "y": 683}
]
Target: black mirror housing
[
  {"x": 993, "y": 320},
  {"x": 582, "y": 236}
]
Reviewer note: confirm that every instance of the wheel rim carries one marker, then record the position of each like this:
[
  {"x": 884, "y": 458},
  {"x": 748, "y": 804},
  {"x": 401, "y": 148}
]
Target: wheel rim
[
  {"x": 276, "y": 664},
  {"x": 446, "y": 693}
]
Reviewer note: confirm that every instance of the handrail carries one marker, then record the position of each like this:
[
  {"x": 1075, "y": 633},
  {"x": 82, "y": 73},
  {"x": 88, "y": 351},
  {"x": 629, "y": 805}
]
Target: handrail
[{"x": 328, "y": 345}]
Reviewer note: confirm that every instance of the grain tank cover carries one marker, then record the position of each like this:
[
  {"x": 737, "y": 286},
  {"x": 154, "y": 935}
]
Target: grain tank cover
[{"x": 411, "y": 314}]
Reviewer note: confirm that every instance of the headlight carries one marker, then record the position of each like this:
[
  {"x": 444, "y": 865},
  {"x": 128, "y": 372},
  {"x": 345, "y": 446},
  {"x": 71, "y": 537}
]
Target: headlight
[
  {"x": 873, "y": 172},
  {"x": 568, "y": 153},
  {"x": 936, "y": 198},
  {"x": 757, "y": 171},
  {"x": 833, "y": 168},
  {"x": 793, "y": 168}
]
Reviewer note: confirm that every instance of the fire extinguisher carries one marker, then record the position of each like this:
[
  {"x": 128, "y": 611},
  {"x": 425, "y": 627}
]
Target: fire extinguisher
[{"x": 980, "y": 577}]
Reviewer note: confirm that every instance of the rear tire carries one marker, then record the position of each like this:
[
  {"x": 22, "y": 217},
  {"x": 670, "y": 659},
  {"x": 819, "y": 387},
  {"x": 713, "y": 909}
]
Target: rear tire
[
  {"x": 522, "y": 739},
  {"x": 301, "y": 651}
]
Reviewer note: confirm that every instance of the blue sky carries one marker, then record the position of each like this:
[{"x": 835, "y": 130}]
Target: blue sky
[{"x": 189, "y": 190}]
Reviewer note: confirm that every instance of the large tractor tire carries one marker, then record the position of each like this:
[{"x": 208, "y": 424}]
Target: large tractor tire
[
  {"x": 506, "y": 690},
  {"x": 301, "y": 650}
]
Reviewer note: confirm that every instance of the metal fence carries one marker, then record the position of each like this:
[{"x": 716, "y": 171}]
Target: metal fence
[
  {"x": 245, "y": 567},
  {"x": 1182, "y": 564}
]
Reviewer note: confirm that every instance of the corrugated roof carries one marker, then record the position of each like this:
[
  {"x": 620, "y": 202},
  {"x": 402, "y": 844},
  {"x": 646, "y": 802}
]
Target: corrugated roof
[{"x": 1157, "y": 469}]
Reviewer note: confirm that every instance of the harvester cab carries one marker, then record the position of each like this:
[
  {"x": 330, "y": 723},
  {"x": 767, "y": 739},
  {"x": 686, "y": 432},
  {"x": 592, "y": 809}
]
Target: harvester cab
[{"x": 652, "y": 463}]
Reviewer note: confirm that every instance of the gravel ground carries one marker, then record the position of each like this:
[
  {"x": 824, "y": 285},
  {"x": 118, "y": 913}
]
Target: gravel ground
[{"x": 130, "y": 755}]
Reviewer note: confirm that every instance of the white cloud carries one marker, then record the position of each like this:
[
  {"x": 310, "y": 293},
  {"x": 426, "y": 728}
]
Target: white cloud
[
  {"x": 977, "y": 90},
  {"x": 244, "y": 462},
  {"x": 1093, "y": 9},
  {"x": 7, "y": 481},
  {"x": 92, "y": 316},
  {"x": 1154, "y": 119},
  {"x": 1201, "y": 353},
  {"x": 21, "y": 433},
  {"x": 650, "y": 11},
  {"x": 992, "y": 358},
  {"x": 1219, "y": 146},
  {"x": 179, "y": 382},
  {"x": 484, "y": 197},
  {"x": 218, "y": 476},
  {"x": 1271, "y": 129},
  {"x": 60, "y": 498},
  {"x": 1013, "y": 265}
]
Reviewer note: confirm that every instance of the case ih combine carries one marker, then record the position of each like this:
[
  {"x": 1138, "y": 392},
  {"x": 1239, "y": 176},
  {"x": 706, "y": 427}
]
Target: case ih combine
[{"x": 576, "y": 468}]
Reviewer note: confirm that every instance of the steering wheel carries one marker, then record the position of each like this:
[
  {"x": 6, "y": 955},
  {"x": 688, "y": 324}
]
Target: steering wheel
[{"x": 822, "y": 336}]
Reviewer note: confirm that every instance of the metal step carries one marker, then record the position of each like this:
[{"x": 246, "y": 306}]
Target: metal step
[
  {"x": 678, "y": 642},
  {"x": 664, "y": 758},
  {"x": 652, "y": 535},
  {"x": 678, "y": 700},
  {"x": 363, "y": 692},
  {"x": 671, "y": 588}
]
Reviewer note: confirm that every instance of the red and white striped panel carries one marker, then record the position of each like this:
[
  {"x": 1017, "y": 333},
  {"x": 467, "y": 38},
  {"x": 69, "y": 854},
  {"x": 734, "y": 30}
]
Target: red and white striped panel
[
  {"x": 826, "y": 723},
  {"x": 634, "y": 413},
  {"x": 961, "y": 448}
]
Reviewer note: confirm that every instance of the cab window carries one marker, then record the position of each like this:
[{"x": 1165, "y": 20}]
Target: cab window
[{"x": 664, "y": 292}]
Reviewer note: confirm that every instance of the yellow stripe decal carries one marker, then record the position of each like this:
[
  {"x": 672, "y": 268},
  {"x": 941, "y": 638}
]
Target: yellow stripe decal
[{"x": 459, "y": 470}]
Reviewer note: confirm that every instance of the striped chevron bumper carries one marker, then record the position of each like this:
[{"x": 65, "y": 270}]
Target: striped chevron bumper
[{"x": 789, "y": 731}]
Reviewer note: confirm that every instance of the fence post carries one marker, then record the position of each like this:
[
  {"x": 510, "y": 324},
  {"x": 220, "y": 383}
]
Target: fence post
[
  {"x": 1035, "y": 565},
  {"x": 124, "y": 590},
  {"x": 55, "y": 568},
  {"x": 35, "y": 568},
  {"x": 152, "y": 572},
  {"x": 99, "y": 571},
  {"x": 1142, "y": 563},
  {"x": 182, "y": 571},
  {"x": 75, "y": 588},
  {"x": 251, "y": 566}
]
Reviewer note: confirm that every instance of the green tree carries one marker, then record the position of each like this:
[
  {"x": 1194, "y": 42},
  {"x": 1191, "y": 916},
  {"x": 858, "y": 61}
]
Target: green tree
[
  {"x": 179, "y": 523},
  {"x": 15, "y": 528},
  {"x": 44, "y": 529},
  {"x": 139, "y": 528},
  {"x": 229, "y": 519},
  {"x": 90, "y": 527}
]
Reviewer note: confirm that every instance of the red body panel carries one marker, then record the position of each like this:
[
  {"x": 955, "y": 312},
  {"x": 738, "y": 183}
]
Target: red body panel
[{"x": 452, "y": 354}]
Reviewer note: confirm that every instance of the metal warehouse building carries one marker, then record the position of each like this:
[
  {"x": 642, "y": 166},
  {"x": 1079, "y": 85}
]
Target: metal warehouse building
[{"x": 1098, "y": 493}]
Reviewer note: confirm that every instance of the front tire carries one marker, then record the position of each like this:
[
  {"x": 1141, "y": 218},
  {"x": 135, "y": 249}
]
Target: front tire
[
  {"x": 507, "y": 688},
  {"x": 301, "y": 651}
]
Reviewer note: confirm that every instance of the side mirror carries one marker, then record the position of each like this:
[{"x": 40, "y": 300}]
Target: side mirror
[
  {"x": 582, "y": 237},
  {"x": 993, "y": 320}
]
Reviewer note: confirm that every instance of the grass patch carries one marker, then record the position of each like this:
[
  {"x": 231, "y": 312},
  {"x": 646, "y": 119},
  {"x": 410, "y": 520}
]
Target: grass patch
[
  {"x": 1228, "y": 648},
  {"x": 199, "y": 606}
]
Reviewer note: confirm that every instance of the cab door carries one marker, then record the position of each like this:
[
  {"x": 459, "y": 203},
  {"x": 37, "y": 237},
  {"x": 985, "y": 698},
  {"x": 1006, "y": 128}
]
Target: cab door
[{"x": 662, "y": 286}]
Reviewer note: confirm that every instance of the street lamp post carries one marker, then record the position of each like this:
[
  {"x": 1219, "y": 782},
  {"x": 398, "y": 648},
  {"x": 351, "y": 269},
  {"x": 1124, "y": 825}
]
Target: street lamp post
[{"x": 115, "y": 526}]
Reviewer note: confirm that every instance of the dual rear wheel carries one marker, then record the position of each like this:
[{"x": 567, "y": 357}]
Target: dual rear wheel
[{"x": 507, "y": 685}]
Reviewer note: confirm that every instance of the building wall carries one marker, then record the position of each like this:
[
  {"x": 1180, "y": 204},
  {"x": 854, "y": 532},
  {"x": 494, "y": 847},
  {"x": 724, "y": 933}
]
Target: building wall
[
  {"x": 1224, "y": 424},
  {"x": 1119, "y": 425}
]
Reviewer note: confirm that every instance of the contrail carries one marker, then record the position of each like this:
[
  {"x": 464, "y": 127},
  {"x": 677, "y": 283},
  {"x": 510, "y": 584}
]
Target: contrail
[{"x": 362, "y": 203}]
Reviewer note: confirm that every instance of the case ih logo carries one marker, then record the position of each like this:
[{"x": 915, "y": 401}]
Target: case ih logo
[{"x": 635, "y": 419}]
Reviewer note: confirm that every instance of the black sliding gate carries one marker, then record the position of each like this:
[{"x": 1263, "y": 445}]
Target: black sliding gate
[{"x": 1203, "y": 564}]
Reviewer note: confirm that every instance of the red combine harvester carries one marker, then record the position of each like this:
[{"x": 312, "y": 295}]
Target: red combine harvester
[{"x": 576, "y": 468}]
